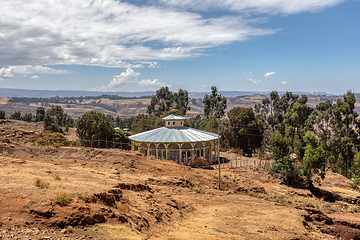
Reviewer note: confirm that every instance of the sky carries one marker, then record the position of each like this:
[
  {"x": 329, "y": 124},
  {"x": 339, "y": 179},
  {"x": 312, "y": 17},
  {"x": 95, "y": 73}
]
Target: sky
[{"x": 138, "y": 45}]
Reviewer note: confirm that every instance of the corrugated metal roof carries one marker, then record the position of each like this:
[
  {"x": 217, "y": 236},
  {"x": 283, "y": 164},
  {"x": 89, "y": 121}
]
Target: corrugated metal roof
[
  {"x": 174, "y": 135},
  {"x": 174, "y": 117}
]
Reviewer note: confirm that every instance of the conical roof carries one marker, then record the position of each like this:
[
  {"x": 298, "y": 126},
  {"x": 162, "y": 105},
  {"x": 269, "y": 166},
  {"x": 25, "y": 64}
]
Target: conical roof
[
  {"x": 174, "y": 135},
  {"x": 174, "y": 117}
]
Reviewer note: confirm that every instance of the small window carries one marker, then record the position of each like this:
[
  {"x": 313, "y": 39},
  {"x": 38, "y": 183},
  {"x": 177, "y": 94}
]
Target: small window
[
  {"x": 168, "y": 123},
  {"x": 181, "y": 123},
  {"x": 173, "y": 123}
]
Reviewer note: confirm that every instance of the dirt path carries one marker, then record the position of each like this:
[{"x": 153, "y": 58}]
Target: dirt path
[{"x": 240, "y": 217}]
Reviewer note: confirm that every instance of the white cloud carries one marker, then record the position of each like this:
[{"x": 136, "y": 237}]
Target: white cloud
[
  {"x": 27, "y": 69},
  {"x": 6, "y": 73},
  {"x": 35, "y": 77},
  {"x": 119, "y": 82},
  {"x": 111, "y": 33},
  {"x": 253, "y": 81},
  {"x": 285, "y": 83},
  {"x": 114, "y": 33},
  {"x": 255, "y": 6},
  {"x": 269, "y": 74},
  {"x": 151, "y": 85},
  {"x": 247, "y": 73}
]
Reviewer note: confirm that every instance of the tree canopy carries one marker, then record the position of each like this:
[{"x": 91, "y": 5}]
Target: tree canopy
[
  {"x": 55, "y": 118},
  {"x": 94, "y": 126},
  {"x": 165, "y": 100},
  {"x": 214, "y": 104}
]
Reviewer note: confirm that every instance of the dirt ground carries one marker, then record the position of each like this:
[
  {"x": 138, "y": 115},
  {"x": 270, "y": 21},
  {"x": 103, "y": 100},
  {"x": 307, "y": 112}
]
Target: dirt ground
[{"x": 49, "y": 192}]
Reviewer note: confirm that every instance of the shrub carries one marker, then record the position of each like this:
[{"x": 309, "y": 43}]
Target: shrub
[
  {"x": 82, "y": 196},
  {"x": 56, "y": 176},
  {"x": 63, "y": 199},
  {"x": 41, "y": 184},
  {"x": 50, "y": 138}
]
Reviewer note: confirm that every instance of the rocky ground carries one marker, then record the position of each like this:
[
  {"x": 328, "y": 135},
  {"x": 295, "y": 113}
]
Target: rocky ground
[{"x": 49, "y": 192}]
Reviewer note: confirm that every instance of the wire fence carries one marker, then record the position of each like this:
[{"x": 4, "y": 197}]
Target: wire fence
[
  {"x": 226, "y": 160},
  {"x": 238, "y": 161}
]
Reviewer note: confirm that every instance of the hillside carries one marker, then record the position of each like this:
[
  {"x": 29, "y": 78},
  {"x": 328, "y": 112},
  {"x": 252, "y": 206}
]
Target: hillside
[
  {"x": 123, "y": 195},
  {"x": 132, "y": 107}
]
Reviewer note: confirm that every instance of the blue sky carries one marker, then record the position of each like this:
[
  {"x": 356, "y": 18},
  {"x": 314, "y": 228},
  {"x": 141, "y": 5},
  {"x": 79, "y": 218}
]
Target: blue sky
[{"x": 249, "y": 45}]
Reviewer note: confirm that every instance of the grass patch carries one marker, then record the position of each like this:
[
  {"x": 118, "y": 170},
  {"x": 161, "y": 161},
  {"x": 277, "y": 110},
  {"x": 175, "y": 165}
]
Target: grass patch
[
  {"x": 56, "y": 176},
  {"x": 4, "y": 152},
  {"x": 353, "y": 208},
  {"x": 41, "y": 184},
  {"x": 63, "y": 199},
  {"x": 82, "y": 196},
  {"x": 304, "y": 201}
]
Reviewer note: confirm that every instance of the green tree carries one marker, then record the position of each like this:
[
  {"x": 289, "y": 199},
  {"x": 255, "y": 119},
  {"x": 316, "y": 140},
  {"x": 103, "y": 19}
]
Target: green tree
[
  {"x": 245, "y": 129},
  {"x": 16, "y": 115},
  {"x": 94, "y": 126},
  {"x": 165, "y": 100},
  {"x": 55, "y": 119},
  {"x": 280, "y": 147},
  {"x": 27, "y": 117},
  {"x": 122, "y": 137},
  {"x": 40, "y": 114},
  {"x": 214, "y": 104},
  {"x": 314, "y": 157},
  {"x": 345, "y": 131},
  {"x": 2, "y": 114},
  {"x": 144, "y": 123}
]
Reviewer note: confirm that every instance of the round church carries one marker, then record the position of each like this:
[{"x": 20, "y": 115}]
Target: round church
[{"x": 175, "y": 141}]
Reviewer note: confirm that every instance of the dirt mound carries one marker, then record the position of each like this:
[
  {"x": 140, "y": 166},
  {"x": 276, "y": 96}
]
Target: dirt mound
[{"x": 343, "y": 229}]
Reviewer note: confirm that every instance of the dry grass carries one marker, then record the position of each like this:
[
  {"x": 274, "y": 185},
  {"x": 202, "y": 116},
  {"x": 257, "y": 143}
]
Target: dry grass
[
  {"x": 41, "y": 184},
  {"x": 122, "y": 207}
]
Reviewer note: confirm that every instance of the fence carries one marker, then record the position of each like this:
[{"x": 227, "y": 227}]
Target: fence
[{"x": 235, "y": 161}]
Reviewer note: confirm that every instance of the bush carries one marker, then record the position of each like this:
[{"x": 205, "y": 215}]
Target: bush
[
  {"x": 50, "y": 138},
  {"x": 63, "y": 199},
  {"x": 2, "y": 114},
  {"x": 41, "y": 184}
]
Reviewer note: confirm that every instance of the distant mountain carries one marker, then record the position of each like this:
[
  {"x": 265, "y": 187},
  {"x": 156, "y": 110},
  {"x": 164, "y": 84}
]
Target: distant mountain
[{"x": 10, "y": 92}]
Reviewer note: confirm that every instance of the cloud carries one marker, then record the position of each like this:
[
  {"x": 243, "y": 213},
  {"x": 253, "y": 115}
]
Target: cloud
[
  {"x": 119, "y": 82},
  {"x": 111, "y": 33},
  {"x": 247, "y": 73},
  {"x": 253, "y": 81},
  {"x": 6, "y": 73},
  {"x": 285, "y": 83},
  {"x": 122, "y": 34},
  {"x": 151, "y": 85},
  {"x": 27, "y": 69},
  {"x": 254, "y": 6},
  {"x": 269, "y": 74},
  {"x": 35, "y": 77}
]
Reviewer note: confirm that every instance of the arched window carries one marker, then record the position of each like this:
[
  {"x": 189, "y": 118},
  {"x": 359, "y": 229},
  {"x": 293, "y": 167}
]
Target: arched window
[{"x": 173, "y": 123}]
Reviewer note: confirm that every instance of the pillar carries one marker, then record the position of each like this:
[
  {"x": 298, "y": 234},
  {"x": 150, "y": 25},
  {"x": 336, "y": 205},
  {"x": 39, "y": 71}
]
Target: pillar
[
  {"x": 192, "y": 151},
  {"x": 167, "y": 151},
  {"x": 157, "y": 151}
]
